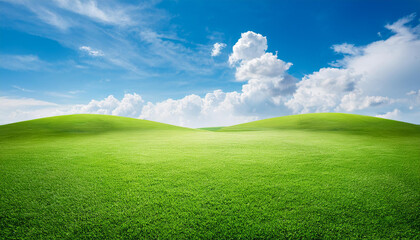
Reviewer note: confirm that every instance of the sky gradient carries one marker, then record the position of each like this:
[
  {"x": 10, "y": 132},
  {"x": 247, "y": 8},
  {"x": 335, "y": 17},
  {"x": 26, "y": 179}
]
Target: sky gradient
[{"x": 209, "y": 63}]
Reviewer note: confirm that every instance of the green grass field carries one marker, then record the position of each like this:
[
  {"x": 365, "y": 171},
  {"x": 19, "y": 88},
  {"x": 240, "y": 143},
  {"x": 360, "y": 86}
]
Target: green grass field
[{"x": 304, "y": 176}]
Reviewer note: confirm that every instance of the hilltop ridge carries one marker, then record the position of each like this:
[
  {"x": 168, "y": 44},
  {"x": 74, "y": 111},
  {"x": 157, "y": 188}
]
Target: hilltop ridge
[
  {"x": 82, "y": 124},
  {"x": 96, "y": 123},
  {"x": 330, "y": 122}
]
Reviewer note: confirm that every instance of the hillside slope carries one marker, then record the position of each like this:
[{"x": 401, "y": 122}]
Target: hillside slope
[
  {"x": 107, "y": 177},
  {"x": 81, "y": 124},
  {"x": 331, "y": 122}
]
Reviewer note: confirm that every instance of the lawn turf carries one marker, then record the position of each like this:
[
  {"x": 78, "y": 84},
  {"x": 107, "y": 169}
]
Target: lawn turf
[{"x": 94, "y": 176}]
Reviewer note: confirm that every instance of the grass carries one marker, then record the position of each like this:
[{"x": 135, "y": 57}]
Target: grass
[
  {"x": 304, "y": 176},
  {"x": 211, "y": 128}
]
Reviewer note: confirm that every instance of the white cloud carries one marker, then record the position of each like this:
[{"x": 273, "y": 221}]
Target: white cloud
[
  {"x": 251, "y": 45},
  {"x": 215, "y": 109},
  {"x": 22, "y": 62},
  {"x": 20, "y": 109},
  {"x": 22, "y": 89},
  {"x": 135, "y": 29},
  {"x": 322, "y": 91},
  {"x": 413, "y": 93},
  {"x": 266, "y": 66},
  {"x": 390, "y": 67},
  {"x": 399, "y": 26},
  {"x": 129, "y": 106},
  {"x": 346, "y": 48},
  {"x": 217, "y": 49},
  {"x": 51, "y": 17},
  {"x": 106, "y": 12},
  {"x": 378, "y": 74},
  {"x": 356, "y": 101},
  {"x": 266, "y": 88},
  {"x": 11, "y": 103},
  {"x": 91, "y": 52},
  {"x": 414, "y": 100},
  {"x": 394, "y": 115},
  {"x": 113, "y": 14}
]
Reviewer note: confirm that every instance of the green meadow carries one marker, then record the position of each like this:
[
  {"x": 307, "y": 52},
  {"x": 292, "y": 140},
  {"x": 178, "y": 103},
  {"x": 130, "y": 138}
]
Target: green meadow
[{"x": 305, "y": 176}]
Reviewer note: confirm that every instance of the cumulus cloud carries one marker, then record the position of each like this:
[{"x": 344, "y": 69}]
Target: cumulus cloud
[
  {"x": 91, "y": 52},
  {"x": 267, "y": 66},
  {"x": 215, "y": 109},
  {"x": 265, "y": 89},
  {"x": 20, "y": 109},
  {"x": 356, "y": 101},
  {"x": 394, "y": 115},
  {"x": 129, "y": 106},
  {"x": 377, "y": 74},
  {"x": 390, "y": 67},
  {"x": 370, "y": 79},
  {"x": 217, "y": 49},
  {"x": 267, "y": 85},
  {"x": 322, "y": 91},
  {"x": 251, "y": 45}
]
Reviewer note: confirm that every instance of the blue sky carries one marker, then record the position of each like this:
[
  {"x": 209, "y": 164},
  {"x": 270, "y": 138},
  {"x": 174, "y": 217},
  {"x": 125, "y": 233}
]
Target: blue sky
[{"x": 153, "y": 59}]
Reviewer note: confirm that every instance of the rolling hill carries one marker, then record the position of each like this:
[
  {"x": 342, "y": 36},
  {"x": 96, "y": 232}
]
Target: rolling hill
[
  {"x": 302, "y": 176},
  {"x": 81, "y": 124},
  {"x": 339, "y": 122}
]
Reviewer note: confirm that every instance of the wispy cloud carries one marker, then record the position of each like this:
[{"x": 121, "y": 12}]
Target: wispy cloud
[
  {"x": 109, "y": 12},
  {"x": 22, "y": 89},
  {"x": 131, "y": 35},
  {"x": 59, "y": 94},
  {"x": 91, "y": 52},
  {"x": 60, "y": 13},
  {"x": 10, "y": 103},
  {"x": 22, "y": 62},
  {"x": 346, "y": 48},
  {"x": 14, "y": 109}
]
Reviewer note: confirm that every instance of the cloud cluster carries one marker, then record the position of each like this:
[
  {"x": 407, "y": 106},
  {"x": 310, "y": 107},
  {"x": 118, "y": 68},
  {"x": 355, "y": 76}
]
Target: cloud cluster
[
  {"x": 19, "y": 109},
  {"x": 266, "y": 86},
  {"x": 375, "y": 76},
  {"x": 322, "y": 91},
  {"x": 367, "y": 77},
  {"x": 379, "y": 79},
  {"x": 130, "y": 106}
]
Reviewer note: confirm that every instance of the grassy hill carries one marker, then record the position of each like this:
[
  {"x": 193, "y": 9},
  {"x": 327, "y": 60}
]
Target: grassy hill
[
  {"x": 340, "y": 122},
  {"x": 81, "y": 124},
  {"x": 303, "y": 176}
]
